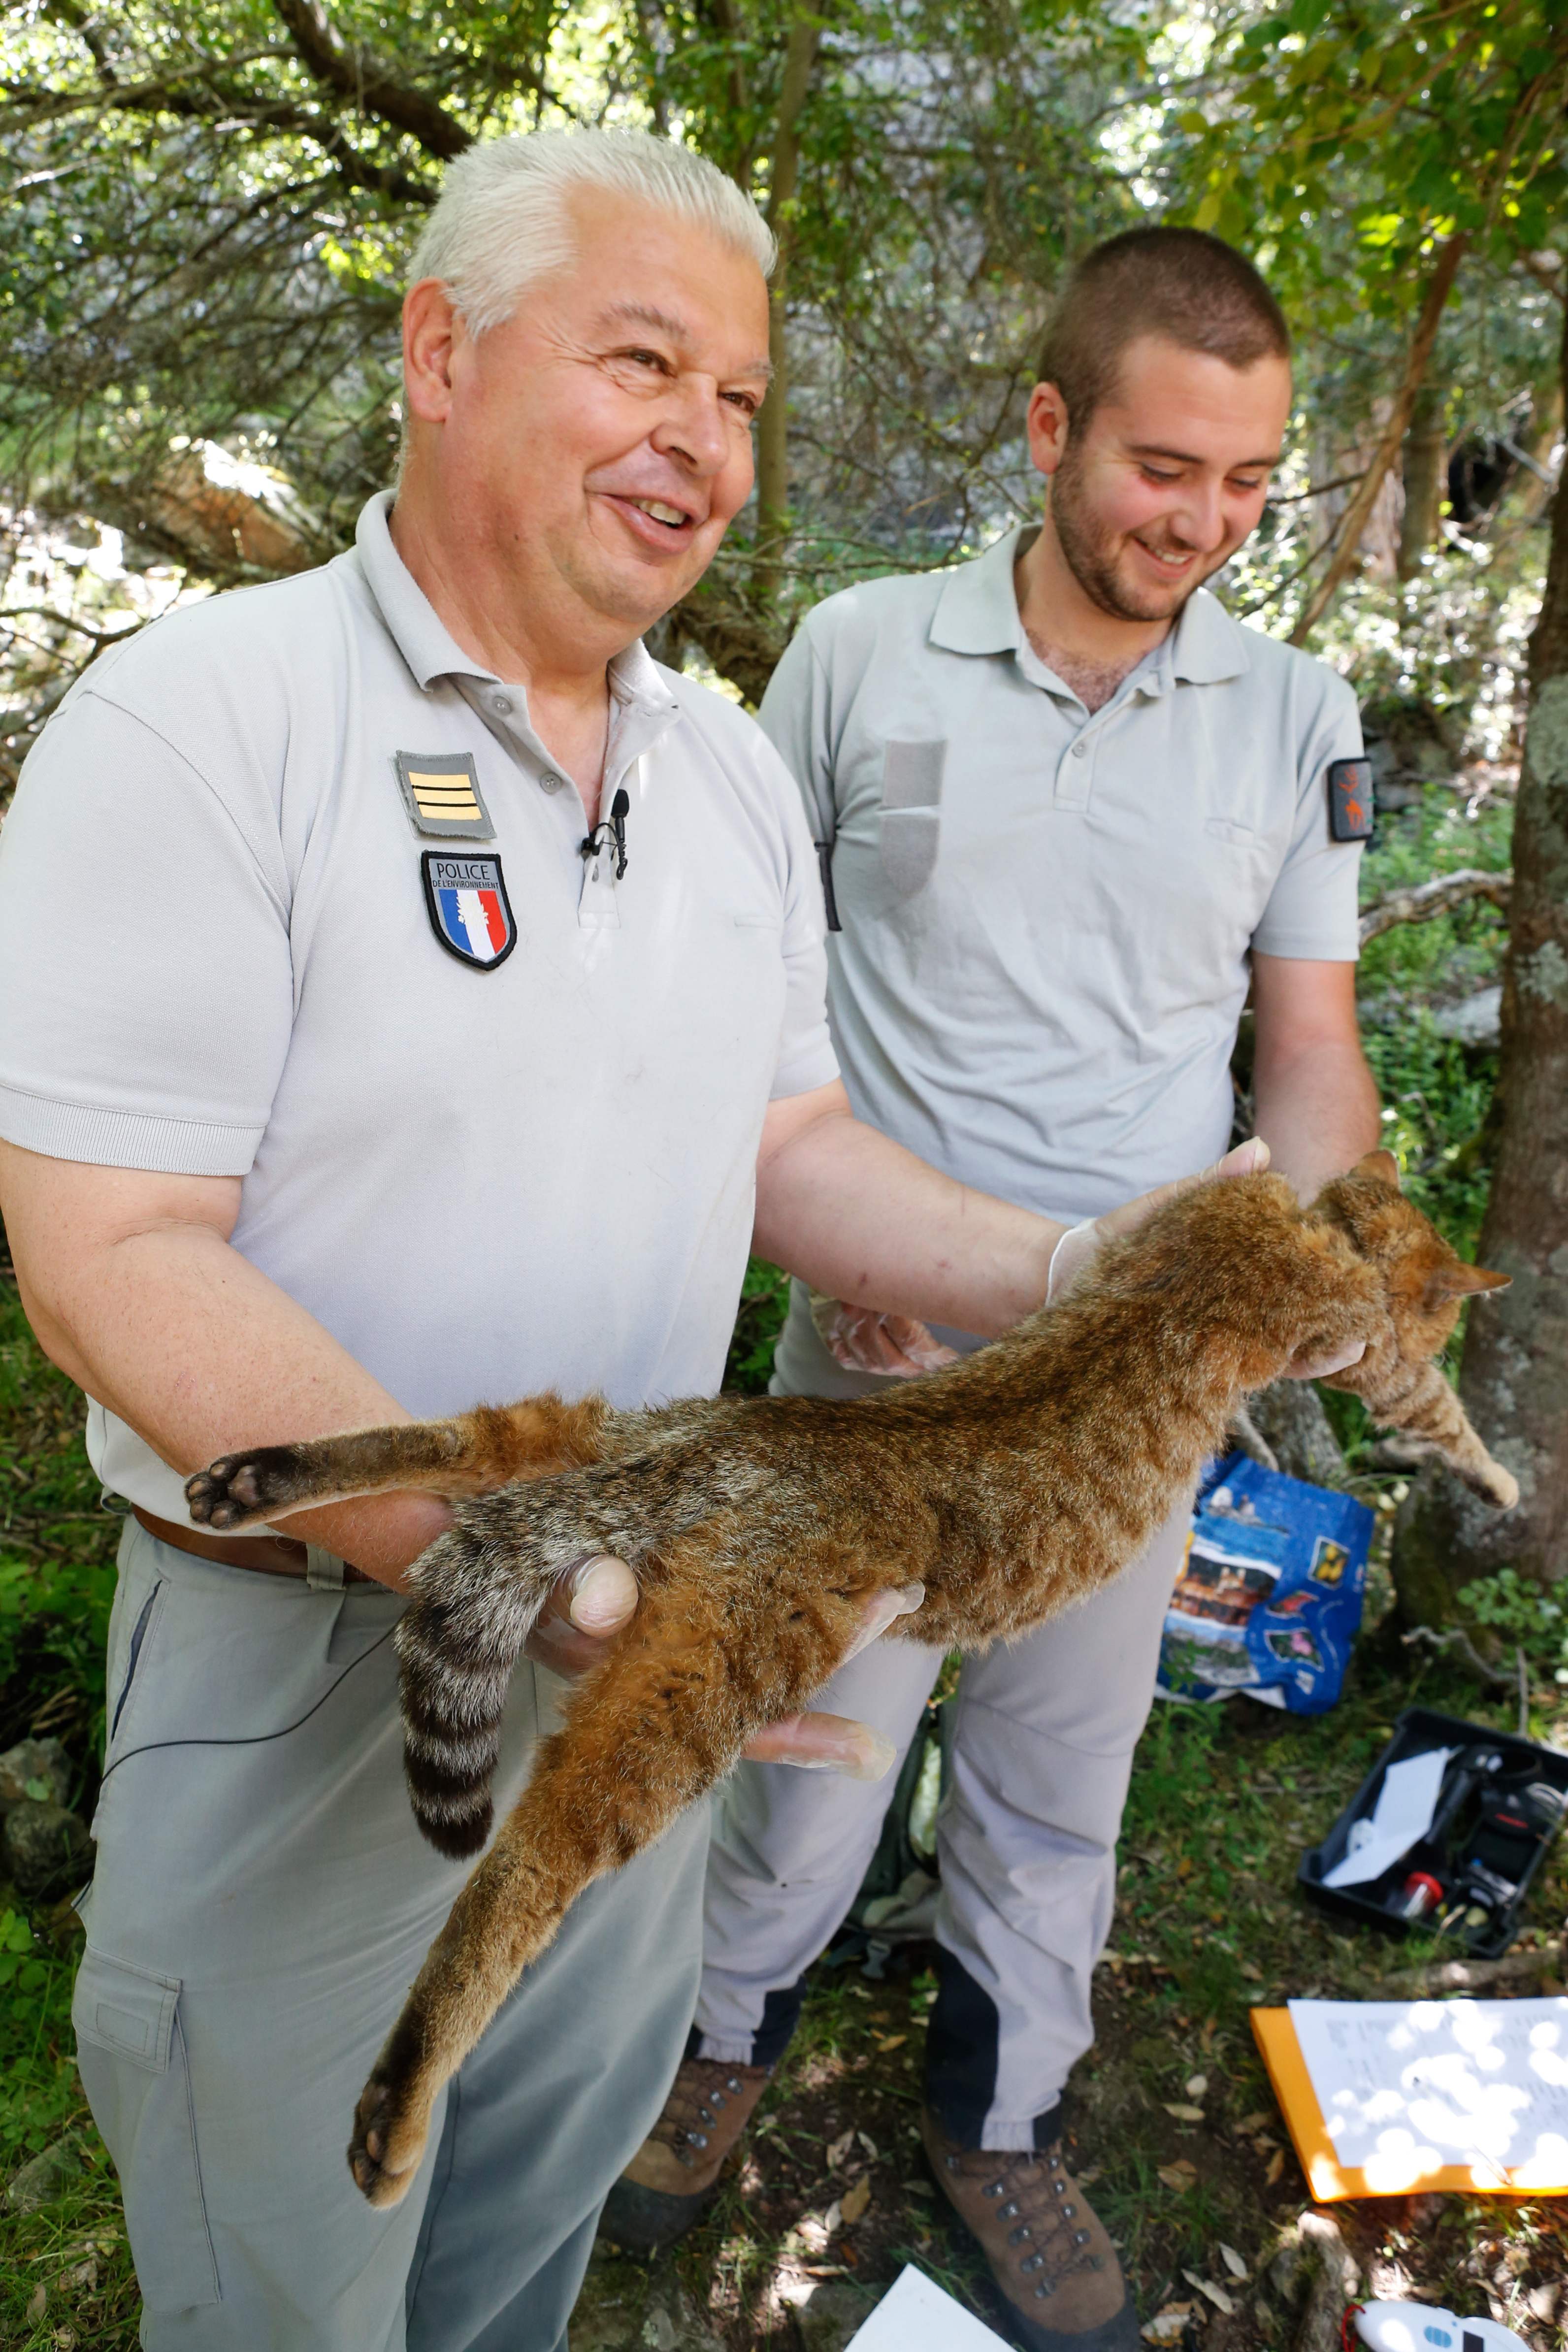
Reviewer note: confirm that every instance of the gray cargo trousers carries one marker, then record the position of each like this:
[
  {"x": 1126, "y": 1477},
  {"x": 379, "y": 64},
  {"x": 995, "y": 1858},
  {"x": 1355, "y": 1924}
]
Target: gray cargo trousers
[
  {"x": 261, "y": 1903},
  {"x": 1027, "y": 1841}
]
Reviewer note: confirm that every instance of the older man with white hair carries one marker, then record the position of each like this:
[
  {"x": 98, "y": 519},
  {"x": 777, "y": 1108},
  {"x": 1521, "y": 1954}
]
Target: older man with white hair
[{"x": 439, "y": 1012}]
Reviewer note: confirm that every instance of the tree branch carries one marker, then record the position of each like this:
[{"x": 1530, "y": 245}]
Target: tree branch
[
  {"x": 772, "y": 459},
  {"x": 1354, "y": 519},
  {"x": 1438, "y": 898},
  {"x": 368, "y": 81}
]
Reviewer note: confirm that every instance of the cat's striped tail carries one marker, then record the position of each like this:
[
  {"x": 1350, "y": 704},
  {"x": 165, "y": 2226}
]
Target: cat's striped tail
[{"x": 457, "y": 1644}]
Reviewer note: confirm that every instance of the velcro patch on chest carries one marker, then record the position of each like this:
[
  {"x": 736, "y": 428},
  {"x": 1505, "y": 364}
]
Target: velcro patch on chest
[
  {"x": 1350, "y": 805},
  {"x": 441, "y": 792},
  {"x": 470, "y": 912}
]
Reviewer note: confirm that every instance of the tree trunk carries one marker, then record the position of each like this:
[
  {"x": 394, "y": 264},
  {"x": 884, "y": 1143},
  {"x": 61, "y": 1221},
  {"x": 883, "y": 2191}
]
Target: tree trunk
[
  {"x": 1514, "y": 1378},
  {"x": 1353, "y": 521},
  {"x": 1424, "y": 463},
  {"x": 773, "y": 456}
]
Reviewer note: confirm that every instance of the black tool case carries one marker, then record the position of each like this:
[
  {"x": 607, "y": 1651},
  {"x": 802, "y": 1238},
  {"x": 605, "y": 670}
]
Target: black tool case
[{"x": 1374, "y": 1904}]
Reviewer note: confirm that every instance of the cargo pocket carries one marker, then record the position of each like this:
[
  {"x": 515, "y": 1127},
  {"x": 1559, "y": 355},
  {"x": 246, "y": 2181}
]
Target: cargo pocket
[
  {"x": 909, "y": 825},
  {"x": 131, "y": 2054}
]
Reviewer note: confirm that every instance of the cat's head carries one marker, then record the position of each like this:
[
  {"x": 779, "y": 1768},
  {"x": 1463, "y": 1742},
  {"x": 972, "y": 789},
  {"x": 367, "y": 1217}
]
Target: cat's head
[{"x": 1426, "y": 1283}]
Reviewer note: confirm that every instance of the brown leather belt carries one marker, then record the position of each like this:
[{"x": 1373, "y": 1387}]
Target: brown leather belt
[{"x": 278, "y": 1555}]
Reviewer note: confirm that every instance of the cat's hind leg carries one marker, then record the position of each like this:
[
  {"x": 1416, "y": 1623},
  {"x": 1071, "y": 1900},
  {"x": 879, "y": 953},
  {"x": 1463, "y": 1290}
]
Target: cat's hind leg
[
  {"x": 648, "y": 1734},
  {"x": 470, "y": 1454}
]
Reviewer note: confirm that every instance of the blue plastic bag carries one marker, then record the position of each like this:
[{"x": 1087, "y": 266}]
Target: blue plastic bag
[{"x": 1269, "y": 1596}]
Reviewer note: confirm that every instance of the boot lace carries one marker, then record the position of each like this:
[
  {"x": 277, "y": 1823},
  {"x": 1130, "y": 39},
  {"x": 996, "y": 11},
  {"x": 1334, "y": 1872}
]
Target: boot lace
[
  {"x": 701, "y": 2092},
  {"x": 1038, "y": 2196}
]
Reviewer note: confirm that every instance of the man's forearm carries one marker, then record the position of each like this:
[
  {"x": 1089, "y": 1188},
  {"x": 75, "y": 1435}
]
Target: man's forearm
[
  {"x": 194, "y": 1348},
  {"x": 1318, "y": 1111},
  {"x": 858, "y": 1216}
]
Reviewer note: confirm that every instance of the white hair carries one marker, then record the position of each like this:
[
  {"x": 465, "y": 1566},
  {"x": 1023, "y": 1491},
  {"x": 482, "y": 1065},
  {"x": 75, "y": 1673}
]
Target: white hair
[{"x": 503, "y": 216}]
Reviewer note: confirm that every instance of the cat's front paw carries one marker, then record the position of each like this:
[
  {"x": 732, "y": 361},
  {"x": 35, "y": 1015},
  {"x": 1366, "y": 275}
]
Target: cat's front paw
[
  {"x": 239, "y": 1489},
  {"x": 389, "y": 2134},
  {"x": 1496, "y": 1486}
]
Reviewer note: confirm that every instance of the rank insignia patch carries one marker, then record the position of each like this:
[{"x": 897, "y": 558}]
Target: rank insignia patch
[
  {"x": 1351, "y": 809},
  {"x": 441, "y": 794},
  {"x": 470, "y": 912}
]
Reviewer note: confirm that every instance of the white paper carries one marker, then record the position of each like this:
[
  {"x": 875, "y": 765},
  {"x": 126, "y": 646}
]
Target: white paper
[
  {"x": 914, "y": 2316},
  {"x": 1405, "y": 1804},
  {"x": 1407, "y": 2087}
]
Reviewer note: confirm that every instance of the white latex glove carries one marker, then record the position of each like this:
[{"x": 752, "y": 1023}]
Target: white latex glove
[
  {"x": 863, "y": 1340},
  {"x": 599, "y": 1596}
]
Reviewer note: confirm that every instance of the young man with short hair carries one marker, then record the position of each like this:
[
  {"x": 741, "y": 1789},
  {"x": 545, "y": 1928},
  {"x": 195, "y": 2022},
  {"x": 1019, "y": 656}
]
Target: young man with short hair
[{"x": 1068, "y": 811}]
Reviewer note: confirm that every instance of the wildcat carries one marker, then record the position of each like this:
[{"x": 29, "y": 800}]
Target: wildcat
[{"x": 1010, "y": 1484}]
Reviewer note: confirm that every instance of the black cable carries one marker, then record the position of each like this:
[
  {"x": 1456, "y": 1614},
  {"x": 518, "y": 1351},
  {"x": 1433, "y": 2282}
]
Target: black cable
[{"x": 255, "y": 1738}]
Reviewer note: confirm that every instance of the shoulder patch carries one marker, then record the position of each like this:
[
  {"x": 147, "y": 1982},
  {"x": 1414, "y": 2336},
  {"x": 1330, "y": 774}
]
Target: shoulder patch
[
  {"x": 1350, "y": 802},
  {"x": 470, "y": 912}
]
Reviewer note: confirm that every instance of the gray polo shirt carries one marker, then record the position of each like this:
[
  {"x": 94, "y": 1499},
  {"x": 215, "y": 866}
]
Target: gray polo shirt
[
  {"x": 497, "y": 1130},
  {"x": 1048, "y": 915}
]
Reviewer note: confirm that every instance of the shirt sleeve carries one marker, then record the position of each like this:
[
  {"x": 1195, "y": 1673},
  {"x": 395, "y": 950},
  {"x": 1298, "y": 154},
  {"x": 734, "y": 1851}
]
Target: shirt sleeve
[
  {"x": 146, "y": 989},
  {"x": 1311, "y": 912},
  {"x": 793, "y": 716},
  {"x": 806, "y": 1057}
]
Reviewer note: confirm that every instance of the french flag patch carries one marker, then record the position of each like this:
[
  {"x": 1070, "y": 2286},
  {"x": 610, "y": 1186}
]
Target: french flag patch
[{"x": 470, "y": 912}]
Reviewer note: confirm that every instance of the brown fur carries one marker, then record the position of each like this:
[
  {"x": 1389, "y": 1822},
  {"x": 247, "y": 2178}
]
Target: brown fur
[{"x": 1010, "y": 1484}]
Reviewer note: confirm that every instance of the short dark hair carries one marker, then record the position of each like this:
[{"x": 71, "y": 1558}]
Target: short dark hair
[{"x": 1179, "y": 282}]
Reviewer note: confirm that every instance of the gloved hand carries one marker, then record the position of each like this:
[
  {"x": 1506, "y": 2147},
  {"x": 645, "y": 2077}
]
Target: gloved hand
[
  {"x": 863, "y": 1340},
  {"x": 599, "y": 1596}
]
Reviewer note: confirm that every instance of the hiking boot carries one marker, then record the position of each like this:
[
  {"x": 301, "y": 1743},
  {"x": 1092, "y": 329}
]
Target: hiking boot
[
  {"x": 1046, "y": 2247},
  {"x": 669, "y": 2179}
]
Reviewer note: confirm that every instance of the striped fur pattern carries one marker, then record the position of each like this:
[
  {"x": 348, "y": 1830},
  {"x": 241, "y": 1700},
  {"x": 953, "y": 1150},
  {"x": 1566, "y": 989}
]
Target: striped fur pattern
[{"x": 1010, "y": 1484}]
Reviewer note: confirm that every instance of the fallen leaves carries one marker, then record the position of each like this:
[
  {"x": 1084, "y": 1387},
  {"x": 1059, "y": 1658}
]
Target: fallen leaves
[
  {"x": 855, "y": 2201},
  {"x": 886, "y": 2042},
  {"x": 1232, "y": 2260},
  {"x": 1276, "y": 2167},
  {"x": 1218, "y": 2295},
  {"x": 1179, "y": 2175},
  {"x": 841, "y": 2147},
  {"x": 1196, "y": 2085},
  {"x": 1183, "y": 2115},
  {"x": 1168, "y": 2323}
]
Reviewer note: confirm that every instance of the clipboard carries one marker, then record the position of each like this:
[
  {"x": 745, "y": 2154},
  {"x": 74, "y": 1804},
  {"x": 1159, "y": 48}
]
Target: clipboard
[{"x": 1330, "y": 2182}]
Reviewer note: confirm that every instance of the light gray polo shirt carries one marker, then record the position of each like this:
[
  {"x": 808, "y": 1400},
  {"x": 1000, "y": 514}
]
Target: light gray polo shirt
[
  {"x": 485, "y": 1173},
  {"x": 1048, "y": 915}
]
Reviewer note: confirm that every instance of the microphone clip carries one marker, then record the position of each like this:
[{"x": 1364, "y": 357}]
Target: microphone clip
[{"x": 611, "y": 834}]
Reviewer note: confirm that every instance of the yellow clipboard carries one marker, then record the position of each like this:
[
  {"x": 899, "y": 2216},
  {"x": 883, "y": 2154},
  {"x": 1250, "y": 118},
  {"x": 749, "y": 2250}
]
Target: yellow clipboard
[{"x": 1330, "y": 2180}]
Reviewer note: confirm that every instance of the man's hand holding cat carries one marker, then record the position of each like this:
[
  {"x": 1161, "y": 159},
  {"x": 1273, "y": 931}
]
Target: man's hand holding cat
[
  {"x": 599, "y": 1597},
  {"x": 898, "y": 1347}
]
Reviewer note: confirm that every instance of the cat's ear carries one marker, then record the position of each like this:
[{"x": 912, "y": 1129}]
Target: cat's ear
[
  {"x": 1445, "y": 1283},
  {"x": 1383, "y": 1165}
]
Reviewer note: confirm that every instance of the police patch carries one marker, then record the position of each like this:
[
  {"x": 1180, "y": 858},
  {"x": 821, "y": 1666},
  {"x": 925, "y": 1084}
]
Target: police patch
[
  {"x": 1351, "y": 808},
  {"x": 470, "y": 912}
]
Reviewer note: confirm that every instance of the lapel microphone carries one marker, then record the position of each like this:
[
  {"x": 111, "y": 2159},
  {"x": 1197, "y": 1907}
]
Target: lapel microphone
[{"x": 611, "y": 834}]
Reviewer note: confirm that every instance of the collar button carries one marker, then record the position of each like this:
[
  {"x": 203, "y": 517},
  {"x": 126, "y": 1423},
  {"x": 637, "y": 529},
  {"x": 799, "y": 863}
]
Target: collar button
[
  {"x": 501, "y": 704},
  {"x": 552, "y": 783}
]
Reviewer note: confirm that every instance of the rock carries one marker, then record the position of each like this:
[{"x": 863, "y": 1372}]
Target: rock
[
  {"x": 831, "y": 2315},
  {"x": 38, "y": 1769},
  {"x": 630, "y": 2307},
  {"x": 1334, "y": 2283},
  {"x": 41, "y": 2180},
  {"x": 1475, "y": 1020},
  {"x": 45, "y": 1846},
  {"x": 1290, "y": 1416}
]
